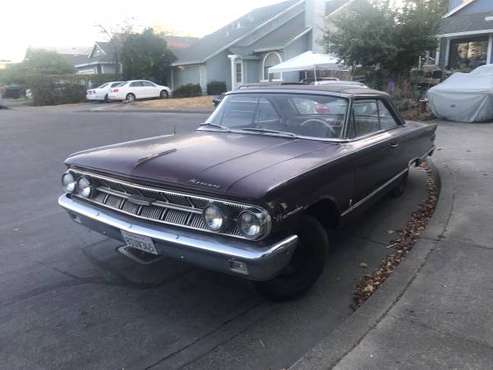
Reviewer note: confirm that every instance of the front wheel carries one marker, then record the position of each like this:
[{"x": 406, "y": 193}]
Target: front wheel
[
  {"x": 305, "y": 267},
  {"x": 164, "y": 94},
  {"x": 130, "y": 98}
]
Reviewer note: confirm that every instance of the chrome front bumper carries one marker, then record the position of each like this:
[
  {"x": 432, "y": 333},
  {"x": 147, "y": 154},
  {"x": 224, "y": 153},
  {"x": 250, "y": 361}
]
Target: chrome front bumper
[{"x": 238, "y": 257}]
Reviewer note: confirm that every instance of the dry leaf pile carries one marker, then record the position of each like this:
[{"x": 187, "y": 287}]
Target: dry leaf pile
[{"x": 402, "y": 245}]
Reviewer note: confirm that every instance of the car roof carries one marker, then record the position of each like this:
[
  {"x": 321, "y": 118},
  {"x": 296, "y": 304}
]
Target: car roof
[{"x": 341, "y": 89}]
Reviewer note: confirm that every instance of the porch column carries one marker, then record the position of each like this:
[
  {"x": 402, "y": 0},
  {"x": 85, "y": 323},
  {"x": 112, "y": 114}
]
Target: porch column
[
  {"x": 438, "y": 51},
  {"x": 232, "y": 59},
  {"x": 490, "y": 49}
]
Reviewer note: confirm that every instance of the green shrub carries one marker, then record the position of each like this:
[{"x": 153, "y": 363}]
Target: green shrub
[
  {"x": 53, "y": 90},
  {"x": 216, "y": 87},
  {"x": 187, "y": 91}
]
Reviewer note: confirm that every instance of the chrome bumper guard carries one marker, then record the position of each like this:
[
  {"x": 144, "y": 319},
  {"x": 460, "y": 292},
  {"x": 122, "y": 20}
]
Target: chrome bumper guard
[{"x": 233, "y": 256}]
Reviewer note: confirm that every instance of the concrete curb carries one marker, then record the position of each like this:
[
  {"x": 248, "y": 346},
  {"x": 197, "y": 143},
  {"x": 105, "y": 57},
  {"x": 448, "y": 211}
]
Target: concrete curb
[{"x": 352, "y": 330}]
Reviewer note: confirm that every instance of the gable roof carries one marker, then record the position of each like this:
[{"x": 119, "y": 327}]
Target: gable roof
[
  {"x": 199, "y": 51},
  {"x": 75, "y": 59},
  {"x": 456, "y": 9},
  {"x": 468, "y": 23}
]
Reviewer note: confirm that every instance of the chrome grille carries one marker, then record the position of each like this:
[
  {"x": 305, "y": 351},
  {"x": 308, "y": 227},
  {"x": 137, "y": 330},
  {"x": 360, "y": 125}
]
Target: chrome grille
[{"x": 158, "y": 205}]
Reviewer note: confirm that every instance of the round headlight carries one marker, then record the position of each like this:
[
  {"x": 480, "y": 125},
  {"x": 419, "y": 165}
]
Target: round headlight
[
  {"x": 252, "y": 223},
  {"x": 84, "y": 187},
  {"x": 214, "y": 217},
  {"x": 68, "y": 182}
]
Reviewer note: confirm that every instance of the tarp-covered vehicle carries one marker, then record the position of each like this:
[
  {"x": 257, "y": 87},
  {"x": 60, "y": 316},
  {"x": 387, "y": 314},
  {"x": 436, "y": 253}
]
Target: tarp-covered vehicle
[{"x": 464, "y": 97}]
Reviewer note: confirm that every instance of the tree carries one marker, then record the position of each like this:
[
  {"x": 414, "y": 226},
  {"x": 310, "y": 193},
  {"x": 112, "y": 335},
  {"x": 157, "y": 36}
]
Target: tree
[
  {"x": 379, "y": 35},
  {"x": 37, "y": 62},
  {"x": 146, "y": 56},
  {"x": 46, "y": 62}
]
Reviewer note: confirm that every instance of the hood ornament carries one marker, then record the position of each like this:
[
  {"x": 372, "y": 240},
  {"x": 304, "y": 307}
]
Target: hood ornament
[{"x": 153, "y": 156}]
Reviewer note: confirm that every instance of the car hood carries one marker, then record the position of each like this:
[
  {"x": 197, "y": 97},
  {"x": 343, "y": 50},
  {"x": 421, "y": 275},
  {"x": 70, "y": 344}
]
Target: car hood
[{"x": 244, "y": 166}]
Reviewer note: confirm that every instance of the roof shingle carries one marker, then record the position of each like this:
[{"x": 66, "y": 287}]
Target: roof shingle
[{"x": 201, "y": 49}]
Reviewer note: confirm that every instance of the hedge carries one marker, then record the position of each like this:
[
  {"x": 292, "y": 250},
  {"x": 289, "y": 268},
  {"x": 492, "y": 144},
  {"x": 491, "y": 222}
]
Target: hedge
[
  {"x": 63, "y": 89},
  {"x": 216, "y": 87},
  {"x": 187, "y": 91},
  {"x": 50, "y": 90}
]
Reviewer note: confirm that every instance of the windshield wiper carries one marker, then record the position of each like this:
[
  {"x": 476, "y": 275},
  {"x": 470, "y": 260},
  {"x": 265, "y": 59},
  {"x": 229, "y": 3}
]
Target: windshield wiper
[
  {"x": 216, "y": 125},
  {"x": 269, "y": 131}
]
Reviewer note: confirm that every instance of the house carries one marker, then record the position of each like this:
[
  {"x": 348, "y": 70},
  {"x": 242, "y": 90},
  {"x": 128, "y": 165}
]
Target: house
[
  {"x": 243, "y": 51},
  {"x": 466, "y": 35},
  {"x": 103, "y": 58}
]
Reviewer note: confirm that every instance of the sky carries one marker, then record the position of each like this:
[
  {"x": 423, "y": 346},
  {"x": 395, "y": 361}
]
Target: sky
[{"x": 65, "y": 24}]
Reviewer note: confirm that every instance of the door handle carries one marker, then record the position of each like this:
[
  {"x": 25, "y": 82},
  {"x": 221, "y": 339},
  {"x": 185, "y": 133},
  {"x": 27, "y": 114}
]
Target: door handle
[{"x": 394, "y": 145}]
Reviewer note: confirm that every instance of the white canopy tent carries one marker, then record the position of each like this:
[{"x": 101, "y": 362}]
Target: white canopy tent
[{"x": 308, "y": 61}]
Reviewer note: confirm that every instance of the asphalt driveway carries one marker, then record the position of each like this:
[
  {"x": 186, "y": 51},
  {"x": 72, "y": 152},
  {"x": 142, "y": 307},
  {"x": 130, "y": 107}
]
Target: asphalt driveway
[{"x": 70, "y": 301}]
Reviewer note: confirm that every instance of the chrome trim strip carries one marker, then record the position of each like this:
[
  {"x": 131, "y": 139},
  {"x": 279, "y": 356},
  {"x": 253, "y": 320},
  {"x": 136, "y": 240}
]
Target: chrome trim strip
[
  {"x": 376, "y": 191},
  {"x": 373, "y": 193},
  {"x": 156, "y": 203},
  {"x": 167, "y": 222},
  {"x": 154, "y": 189},
  {"x": 165, "y": 205},
  {"x": 205, "y": 244}
]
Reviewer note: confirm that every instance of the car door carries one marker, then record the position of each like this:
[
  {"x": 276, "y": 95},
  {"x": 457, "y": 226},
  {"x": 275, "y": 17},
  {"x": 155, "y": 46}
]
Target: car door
[
  {"x": 375, "y": 150},
  {"x": 137, "y": 88},
  {"x": 151, "y": 90},
  {"x": 100, "y": 91}
]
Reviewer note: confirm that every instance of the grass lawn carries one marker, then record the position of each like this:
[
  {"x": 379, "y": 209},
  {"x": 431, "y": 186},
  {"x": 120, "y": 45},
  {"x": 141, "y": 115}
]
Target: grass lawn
[{"x": 199, "y": 103}]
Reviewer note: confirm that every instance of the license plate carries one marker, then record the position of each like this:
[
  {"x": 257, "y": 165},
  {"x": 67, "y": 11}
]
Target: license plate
[{"x": 140, "y": 242}]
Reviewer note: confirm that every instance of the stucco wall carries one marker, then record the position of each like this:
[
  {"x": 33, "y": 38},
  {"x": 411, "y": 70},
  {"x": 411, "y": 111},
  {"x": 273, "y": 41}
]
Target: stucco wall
[
  {"x": 251, "y": 71},
  {"x": 219, "y": 69},
  {"x": 108, "y": 69},
  {"x": 189, "y": 74}
]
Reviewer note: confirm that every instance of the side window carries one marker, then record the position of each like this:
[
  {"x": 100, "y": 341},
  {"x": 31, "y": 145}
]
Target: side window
[
  {"x": 387, "y": 121},
  {"x": 136, "y": 84},
  {"x": 266, "y": 112},
  {"x": 364, "y": 118},
  {"x": 147, "y": 83}
]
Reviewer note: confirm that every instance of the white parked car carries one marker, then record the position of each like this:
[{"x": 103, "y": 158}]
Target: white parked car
[
  {"x": 139, "y": 89},
  {"x": 101, "y": 92}
]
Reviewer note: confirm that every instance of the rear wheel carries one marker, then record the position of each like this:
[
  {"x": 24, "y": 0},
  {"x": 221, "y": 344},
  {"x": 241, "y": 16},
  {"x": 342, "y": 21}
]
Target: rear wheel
[
  {"x": 306, "y": 265},
  {"x": 106, "y": 99},
  {"x": 130, "y": 97},
  {"x": 163, "y": 94},
  {"x": 400, "y": 187}
]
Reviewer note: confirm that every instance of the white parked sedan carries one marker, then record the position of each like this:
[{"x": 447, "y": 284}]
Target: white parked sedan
[
  {"x": 101, "y": 92},
  {"x": 139, "y": 89}
]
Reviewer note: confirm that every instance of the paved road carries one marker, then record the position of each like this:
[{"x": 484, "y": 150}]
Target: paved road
[{"x": 70, "y": 301}]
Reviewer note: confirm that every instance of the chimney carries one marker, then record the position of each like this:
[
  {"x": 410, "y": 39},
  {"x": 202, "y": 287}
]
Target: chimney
[{"x": 314, "y": 17}]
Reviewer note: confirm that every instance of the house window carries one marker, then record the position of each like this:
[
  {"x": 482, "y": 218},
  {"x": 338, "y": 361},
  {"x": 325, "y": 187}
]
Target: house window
[
  {"x": 468, "y": 53},
  {"x": 239, "y": 72},
  {"x": 271, "y": 60}
]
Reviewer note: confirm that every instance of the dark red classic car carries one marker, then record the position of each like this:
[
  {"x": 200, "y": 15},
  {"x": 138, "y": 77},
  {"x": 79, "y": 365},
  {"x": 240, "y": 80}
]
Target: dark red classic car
[{"x": 253, "y": 191}]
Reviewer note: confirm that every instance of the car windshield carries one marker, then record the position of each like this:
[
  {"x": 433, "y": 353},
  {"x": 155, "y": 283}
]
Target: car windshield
[{"x": 307, "y": 115}]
